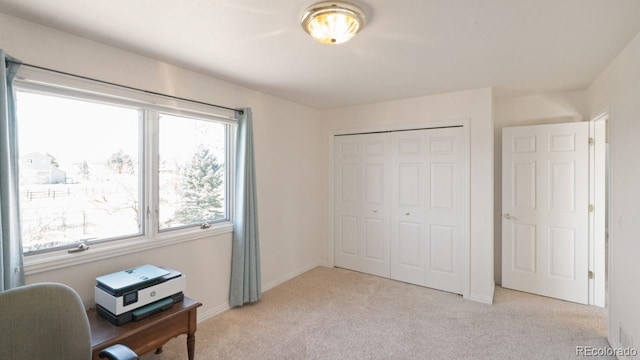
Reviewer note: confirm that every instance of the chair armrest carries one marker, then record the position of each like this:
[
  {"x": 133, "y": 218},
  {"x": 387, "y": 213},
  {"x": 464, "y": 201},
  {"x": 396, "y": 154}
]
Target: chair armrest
[{"x": 118, "y": 352}]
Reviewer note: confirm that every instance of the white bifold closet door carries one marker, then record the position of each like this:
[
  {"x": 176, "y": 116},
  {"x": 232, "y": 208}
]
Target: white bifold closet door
[
  {"x": 427, "y": 215},
  {"x": 362, "y": 194},
  {"x": 399, "y": 206}
]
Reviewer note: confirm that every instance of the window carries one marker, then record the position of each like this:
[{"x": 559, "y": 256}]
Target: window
[
  {"x": 96, "y": 168},
  {"x": 85, "y": 182},
  {"x": 191, "y": 171}
]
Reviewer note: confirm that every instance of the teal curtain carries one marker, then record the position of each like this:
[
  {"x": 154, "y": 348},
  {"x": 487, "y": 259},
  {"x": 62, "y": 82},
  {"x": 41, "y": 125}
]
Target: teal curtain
[
  {"x": 245, "y": 258},
  {"x": 11, "y": 269}
]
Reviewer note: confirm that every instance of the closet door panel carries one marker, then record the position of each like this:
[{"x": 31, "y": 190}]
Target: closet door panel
[
  {"x": 375, "y": 191},
  {"x": 348, "y": 234},
  {"x": 347, "y": 201},
  {"x": 445, "y": 211},
  {"x": 400, "y": 205},
  {"x": 442, "y": 249},
  {"x": 407, "y": 206}
]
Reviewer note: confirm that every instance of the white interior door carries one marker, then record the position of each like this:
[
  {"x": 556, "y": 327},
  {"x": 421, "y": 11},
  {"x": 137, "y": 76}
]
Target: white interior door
[
  {"x": 375, "y": 192},
  {"x": 408, "y": 248},
  {"x": 445, "y": 209},
  {"x": 428, "y": 213},
  {"x": 399, "y": 205},
  {"x": 347, "y": 201},
  {"x": 362, "y": 182},
  {"x": 545, "y": 208}
]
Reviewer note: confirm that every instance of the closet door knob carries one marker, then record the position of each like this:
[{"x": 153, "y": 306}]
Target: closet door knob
[
  {"x": 375, "y": 210},
  {"x": 407, "y": 214},
  {"x": 509, "y": 217}
]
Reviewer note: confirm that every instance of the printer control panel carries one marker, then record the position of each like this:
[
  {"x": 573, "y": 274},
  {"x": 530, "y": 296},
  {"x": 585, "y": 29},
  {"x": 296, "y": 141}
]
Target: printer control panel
[{"x": 130, "y": 298}]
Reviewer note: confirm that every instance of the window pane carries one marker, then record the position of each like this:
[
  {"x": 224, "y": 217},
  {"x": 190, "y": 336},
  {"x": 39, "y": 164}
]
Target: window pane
[
  {"x": 192, "y": 171},
  {"x": 79, "y": 177}
]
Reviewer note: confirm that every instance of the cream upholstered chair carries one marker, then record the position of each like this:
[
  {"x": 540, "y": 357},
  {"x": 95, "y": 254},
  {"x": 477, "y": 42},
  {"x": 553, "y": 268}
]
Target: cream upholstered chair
[{"x": 48, "y": 321}]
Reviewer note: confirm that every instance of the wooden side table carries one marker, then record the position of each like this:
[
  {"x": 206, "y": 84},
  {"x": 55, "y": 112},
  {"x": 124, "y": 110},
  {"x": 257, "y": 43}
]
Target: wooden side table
[{"x": 148, "y": 334}]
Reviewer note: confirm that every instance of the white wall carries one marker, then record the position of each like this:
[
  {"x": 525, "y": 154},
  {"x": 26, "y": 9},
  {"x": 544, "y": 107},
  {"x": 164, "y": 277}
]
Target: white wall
[
  {"x": 619, "y": 87},
  {"x": 527, "y": 110},
  {"x": 475, "y": 105},
  {"x": 292, "y": 187}
]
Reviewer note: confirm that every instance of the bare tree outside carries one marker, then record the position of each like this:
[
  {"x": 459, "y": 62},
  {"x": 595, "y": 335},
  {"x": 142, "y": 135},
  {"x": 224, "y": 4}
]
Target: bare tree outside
[
  {"x": 121, "y": 163},
  {"x": 78, "y": 184},
  {"x": 80, "y": 175}
]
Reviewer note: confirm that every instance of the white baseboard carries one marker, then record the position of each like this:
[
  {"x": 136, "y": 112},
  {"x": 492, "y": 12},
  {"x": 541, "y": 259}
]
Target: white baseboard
[
  {"x": 205, "y": 315},
  {"x": 271, "y": 284},
  {"x": 485, "y": 299},
  {"x": 481, "y": 299}
]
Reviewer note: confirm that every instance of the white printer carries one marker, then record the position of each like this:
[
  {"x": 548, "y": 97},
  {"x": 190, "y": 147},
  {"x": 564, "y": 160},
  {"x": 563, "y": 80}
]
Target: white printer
[{"x": 136, "y": 293}]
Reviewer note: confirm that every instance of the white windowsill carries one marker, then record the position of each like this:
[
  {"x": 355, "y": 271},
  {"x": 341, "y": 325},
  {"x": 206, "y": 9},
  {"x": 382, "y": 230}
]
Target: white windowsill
[{"x": 34, "y": 264}]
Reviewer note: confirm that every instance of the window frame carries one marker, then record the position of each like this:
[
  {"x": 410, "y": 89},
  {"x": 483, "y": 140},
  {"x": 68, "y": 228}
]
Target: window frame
[
  {"x": 154, "y": 151},
  {"x": 151, "y": 106}
]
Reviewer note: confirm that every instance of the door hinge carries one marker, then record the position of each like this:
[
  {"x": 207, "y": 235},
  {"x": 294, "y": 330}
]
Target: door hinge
[
  {"x": 590, "y": 208},
  {"x": 590, "y": 274},
  {"x": 148, "y": 212},
  {"x": 592, "y": 141}
]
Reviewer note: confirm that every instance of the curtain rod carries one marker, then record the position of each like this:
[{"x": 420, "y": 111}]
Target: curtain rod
[{"x": 240, "y": 111}]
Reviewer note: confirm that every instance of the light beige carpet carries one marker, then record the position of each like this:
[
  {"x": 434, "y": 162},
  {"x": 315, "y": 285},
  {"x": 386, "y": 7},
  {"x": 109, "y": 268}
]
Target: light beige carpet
[{"x": 339, "y": 314}]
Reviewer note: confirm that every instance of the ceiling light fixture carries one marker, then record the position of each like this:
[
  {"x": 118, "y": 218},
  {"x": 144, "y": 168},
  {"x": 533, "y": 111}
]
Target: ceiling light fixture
[{"x": 333, "y": 22}]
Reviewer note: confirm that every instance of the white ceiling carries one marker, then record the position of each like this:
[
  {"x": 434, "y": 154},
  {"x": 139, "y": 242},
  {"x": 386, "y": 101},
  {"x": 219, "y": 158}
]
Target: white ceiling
[{"x": 408, "y": 48}]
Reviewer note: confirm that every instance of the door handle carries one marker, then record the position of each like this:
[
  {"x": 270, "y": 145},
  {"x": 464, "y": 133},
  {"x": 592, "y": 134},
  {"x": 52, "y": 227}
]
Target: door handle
[{"x": 509, "y": 217}]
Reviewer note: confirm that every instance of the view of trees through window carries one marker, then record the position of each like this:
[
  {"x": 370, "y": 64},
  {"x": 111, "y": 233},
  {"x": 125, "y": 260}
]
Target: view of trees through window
[
  {"x": 192, "y": 171},
  {"x": 79, "y": 171},
  {"x": 81, "y": 175}
]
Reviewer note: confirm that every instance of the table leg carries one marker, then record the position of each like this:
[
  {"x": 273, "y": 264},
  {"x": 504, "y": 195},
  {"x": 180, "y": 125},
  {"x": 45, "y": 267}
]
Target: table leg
[{"x": 191, "y": 345}]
